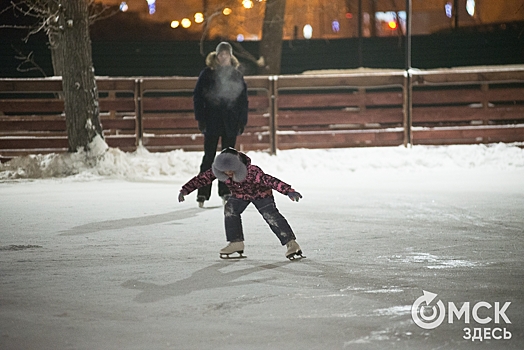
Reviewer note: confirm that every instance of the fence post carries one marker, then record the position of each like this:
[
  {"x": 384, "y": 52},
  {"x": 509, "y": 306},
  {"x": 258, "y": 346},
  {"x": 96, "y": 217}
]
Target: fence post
[
  {"x": 139, "y": 109},
  {"x": 484, "y": 87},
  {"x": 112, "y": 95},
  {"x": 408, "y": 81},
  {"x": 273, "y": 113},
  {"x": 407, "y": 91}
]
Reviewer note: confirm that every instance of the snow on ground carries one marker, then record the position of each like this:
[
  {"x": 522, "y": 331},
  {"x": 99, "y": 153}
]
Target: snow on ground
[
  {"x": 96, "y": 253},
  {"x": 179, "y": 165}
]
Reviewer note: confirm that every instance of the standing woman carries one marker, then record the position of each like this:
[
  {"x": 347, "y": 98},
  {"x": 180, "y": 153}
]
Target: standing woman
[{"x": 221, "y": 106}]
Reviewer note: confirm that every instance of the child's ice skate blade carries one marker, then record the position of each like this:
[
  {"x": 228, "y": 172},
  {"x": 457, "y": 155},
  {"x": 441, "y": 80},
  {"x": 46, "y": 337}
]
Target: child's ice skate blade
[
  {"x": 232, "y": 256},
  {"x": 293, "y": 250},
  {"x": 231, "y": 250}
]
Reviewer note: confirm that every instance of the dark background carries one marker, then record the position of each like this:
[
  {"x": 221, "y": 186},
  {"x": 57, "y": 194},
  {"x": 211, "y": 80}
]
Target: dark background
[{"x": 487, "y": 45}]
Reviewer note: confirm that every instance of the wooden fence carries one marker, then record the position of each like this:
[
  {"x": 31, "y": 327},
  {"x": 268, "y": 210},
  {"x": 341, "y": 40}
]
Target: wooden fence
[{"x": 364, "y": 108}]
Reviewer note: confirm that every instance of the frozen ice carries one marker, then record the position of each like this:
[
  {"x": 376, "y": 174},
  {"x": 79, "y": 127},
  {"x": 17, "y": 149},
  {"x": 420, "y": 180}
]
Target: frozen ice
[{"x": 96, "y": 252}]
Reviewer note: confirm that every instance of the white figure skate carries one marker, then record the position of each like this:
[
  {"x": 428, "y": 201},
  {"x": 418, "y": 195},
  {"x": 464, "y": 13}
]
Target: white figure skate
[
  {"x": 232, "y": 248},
  {"x": 293, "y": 250}
]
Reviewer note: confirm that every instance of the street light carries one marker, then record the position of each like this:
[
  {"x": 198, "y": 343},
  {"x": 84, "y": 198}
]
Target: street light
[
  {"x": 248, "y": 4},
  {"x": 392, "y": 25},
  {"x": 199, "y": 17},
  {"x": 186, "y": 23},
  {"x": 307, "y": 31}
]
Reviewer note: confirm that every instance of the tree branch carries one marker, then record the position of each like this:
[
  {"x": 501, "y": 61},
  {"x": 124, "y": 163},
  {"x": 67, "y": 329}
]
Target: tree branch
[
  {"x": 207, "y": 23},
  {"x": 47, "y": 14},
  {"x": 27, "y": 59}
]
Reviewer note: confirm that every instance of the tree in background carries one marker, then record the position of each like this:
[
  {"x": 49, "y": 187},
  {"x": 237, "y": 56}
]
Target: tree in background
[
  {"x": 270, "y": 49},
  {"x": 66, "y": 24},
  {"x": 78, "y": 74},
  {"x": 272, "y": 36}
]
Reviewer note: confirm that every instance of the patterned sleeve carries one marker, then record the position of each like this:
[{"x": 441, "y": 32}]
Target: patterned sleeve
[
  {"x": 272, "y": 182},
  {"x": 198, "y": 181}
]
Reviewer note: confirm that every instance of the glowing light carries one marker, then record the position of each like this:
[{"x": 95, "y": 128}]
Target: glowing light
[
  {"x": 248, "y": 4},
  {"x": 240, "y": 38},
  {"x": 151, "y": 4},
  {"x": 470, "y": 7},
  {"x": 227, "y": 11},
  {"x": 391, "y": 20},
  {"x": 199, "y": 17},
  {"x": 186, "y": 23},
  {"x": 124, "y": 7},
  {"x": 175, "y": 24},
  {"x": 449, "y": 9},
  {"x": 335, "y": 26},
  {"x": 349, "y": 15},
  {"x": 307, "y": 31}
]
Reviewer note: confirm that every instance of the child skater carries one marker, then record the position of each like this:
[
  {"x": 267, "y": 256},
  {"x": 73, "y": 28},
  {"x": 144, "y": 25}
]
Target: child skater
[{"x": 247, "y": 184}]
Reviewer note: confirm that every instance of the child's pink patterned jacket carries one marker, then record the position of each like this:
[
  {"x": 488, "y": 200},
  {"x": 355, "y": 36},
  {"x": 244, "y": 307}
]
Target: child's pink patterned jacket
[{"x": 257, "y": 184}]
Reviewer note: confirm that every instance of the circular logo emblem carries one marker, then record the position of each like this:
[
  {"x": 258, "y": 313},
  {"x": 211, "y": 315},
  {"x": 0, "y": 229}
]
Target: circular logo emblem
[{"x": 426, "y": 316}]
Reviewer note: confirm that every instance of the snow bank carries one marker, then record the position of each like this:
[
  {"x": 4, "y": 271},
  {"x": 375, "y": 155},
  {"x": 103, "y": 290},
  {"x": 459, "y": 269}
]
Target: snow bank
[{"x": 180, "y": 165}]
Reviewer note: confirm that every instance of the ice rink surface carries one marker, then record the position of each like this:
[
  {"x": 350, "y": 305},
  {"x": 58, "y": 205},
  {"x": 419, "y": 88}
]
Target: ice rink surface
[{"x": 98, "y": 261}]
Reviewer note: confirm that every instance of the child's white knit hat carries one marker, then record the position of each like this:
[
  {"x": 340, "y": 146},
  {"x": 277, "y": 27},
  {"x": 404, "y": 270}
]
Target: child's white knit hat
[{"x": 229, "y": 162}]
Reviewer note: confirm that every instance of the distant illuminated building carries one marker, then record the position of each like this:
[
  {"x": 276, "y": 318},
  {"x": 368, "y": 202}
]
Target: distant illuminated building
[
  {"x": 152, "y": 6},
  {"x": 470, "y": 7},
  {"x": 307, "y": 31},
  {"x": 387, "y": 23},
  {"x": 449, "y": 9},
  {"x": 333, "y": 19},
  {"x": 335, "y": 26}
]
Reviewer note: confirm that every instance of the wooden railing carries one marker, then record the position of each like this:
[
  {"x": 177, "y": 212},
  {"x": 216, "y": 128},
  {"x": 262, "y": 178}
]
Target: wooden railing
[{"x": 365, "y": 108}]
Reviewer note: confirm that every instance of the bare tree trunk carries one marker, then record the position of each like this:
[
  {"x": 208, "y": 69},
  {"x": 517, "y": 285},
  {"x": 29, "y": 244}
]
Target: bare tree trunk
[
  {"x": 53, "y": 9},
  {"x": 272, "y": 33},
  {"x": 73, "y": 51}
]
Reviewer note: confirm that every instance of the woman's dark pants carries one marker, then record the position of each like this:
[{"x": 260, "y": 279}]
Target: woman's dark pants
[{"x": 210, "y": 151}]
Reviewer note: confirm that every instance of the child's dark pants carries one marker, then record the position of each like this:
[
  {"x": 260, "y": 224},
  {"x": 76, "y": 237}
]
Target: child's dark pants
[{"x": 266, "y": 207}]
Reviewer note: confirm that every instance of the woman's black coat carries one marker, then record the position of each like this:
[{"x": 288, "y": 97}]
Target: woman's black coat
[{"x": 220, "y": 100}]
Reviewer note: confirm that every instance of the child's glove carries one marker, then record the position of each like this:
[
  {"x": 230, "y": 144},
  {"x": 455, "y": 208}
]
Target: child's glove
[
  {"x": 181, "y": 197},
  {"x": 294, "y": 196}
]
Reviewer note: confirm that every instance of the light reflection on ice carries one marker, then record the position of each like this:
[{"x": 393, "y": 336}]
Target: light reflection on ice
[{"x": 432, "y": 261}]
